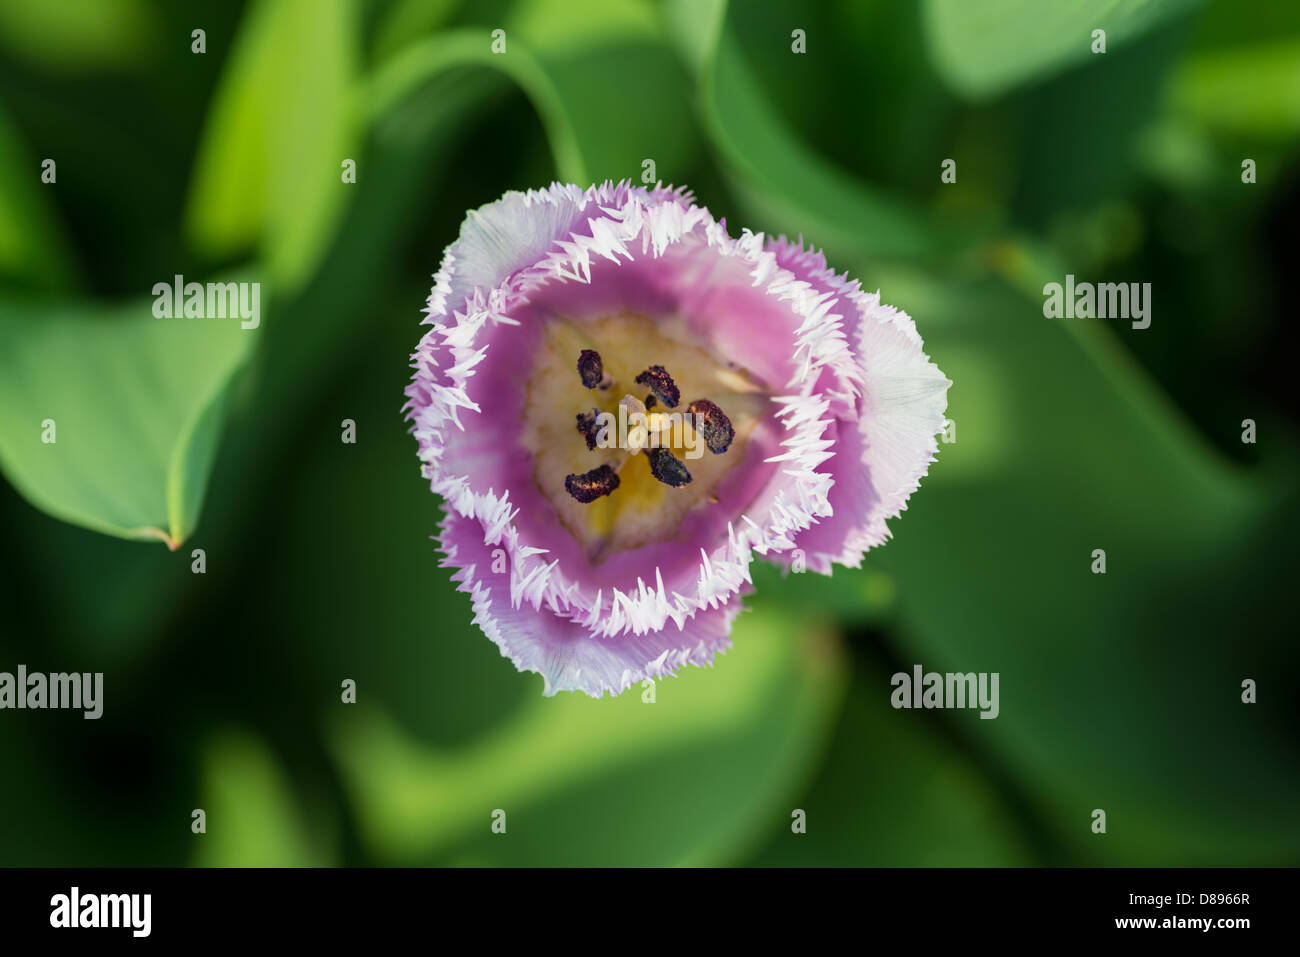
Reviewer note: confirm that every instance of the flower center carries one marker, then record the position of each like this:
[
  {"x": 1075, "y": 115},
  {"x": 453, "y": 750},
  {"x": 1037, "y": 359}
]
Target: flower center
[{"x": 659, "y": 424}]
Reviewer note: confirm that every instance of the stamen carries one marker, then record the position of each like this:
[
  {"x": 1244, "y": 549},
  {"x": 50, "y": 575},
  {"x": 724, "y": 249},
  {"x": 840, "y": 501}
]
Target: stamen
[
  {"x": 658, "y": 381},
  {"x": 651, "y": 401},
  {"x": 589, "y": 486},
  {"x": 590, "y": 368},
  {"x": 713, "y": 424},
  {"x": 668, "y": 468},
  {"x": 588, "y": 427}
]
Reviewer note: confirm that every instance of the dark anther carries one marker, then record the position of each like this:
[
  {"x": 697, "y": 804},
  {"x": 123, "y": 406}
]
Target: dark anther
[
  {"x": 588, "y": 427},
  {"x": 651, "y": 401},
  {"x": 658, "y": 381},
  {"x": 589, "y": 486},
  {"x": 590, "y": 368},
  {"x": 713, "y": 424},
  {"x": 668, "y": 468}
]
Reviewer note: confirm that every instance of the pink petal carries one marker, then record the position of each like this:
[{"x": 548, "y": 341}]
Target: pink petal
[
  {"x": 885, "y": 439},
  {"x": 567, "y": 655}
]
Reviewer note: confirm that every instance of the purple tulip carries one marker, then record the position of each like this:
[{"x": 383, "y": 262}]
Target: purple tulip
[{"x": 733, "y": 398}]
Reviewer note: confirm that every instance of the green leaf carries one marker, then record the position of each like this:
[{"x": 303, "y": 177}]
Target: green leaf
[
  {"x": 252, "y": 814},
  {"x": 552, "y": 50},
  {"x": 1115, "y": 99},
  {"x": 269, "y": 168},
  {"x": 1242, "y": 24},
  {"x": 795, "y": 189},
  {"x": 78, "y": 36},
  {"x": 559, "y": 27},
  {"x": 1253, "y": 91},
  {"x": 428, "y": 59},
  {"x": 135, "y": 404},
  {"x": 851, "y": 596},
  {"x": 1120, "y": 690},
  {"x": 985, "y": 48},
  {"x": 32, "y": 250},
  {"x": 693, "y": 778},
  {"x": 695, "y": 26},
  {"x": 894, "y": 791},
  {"x": 623, "y": 43},
  {"x": 406, "y": 21}
]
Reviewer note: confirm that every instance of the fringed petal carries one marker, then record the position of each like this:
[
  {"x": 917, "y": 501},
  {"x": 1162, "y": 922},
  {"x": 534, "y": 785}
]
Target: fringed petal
[{"x": 567, "y": 655}]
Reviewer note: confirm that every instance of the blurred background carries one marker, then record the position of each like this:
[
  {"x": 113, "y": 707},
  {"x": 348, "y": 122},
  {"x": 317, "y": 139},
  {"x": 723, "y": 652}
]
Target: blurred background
[{"x": 1120, "y": 692}]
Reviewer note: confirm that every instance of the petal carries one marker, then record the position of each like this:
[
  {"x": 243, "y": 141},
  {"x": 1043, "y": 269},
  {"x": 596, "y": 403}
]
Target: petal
[
  {"x": 567, "y": 655},
  {"x": 884, "y": 440},
  {"x": 659, "y": 255},
  {"x": 516, "y": 231}
]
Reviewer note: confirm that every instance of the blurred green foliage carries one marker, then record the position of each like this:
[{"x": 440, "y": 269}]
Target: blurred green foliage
[
  {"x": 1119, "y": 691},
  {"x": 280, "y": 124},
  {"x": 140, "y": 402}
]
